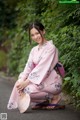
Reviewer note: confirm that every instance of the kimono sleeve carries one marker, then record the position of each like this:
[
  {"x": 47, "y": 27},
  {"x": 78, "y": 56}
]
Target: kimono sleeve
[
  {"x": 41, "y": 70},
  {"x": 28, "y": 67}
]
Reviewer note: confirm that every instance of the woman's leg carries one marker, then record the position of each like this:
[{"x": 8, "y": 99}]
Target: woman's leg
[{"x": 53, "y": 84}]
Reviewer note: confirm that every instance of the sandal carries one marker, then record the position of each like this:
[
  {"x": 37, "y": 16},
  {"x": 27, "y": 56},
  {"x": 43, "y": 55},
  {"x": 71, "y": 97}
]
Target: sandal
[
  {"x": 40, "y": 105},
  {"x": 53, "y": 107},
  {"x": 47, "y": 106}
]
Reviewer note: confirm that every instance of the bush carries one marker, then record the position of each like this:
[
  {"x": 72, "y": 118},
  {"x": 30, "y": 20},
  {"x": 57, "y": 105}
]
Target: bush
[{"x": 3, "y": 60}]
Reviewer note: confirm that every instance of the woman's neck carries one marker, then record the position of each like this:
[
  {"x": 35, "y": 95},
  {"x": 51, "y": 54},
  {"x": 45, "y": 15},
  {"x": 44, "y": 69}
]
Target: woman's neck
[{"x": 43, "y": 42}]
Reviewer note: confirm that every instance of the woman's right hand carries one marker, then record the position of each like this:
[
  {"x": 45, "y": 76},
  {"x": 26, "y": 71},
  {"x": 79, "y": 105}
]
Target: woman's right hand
[{"x": 21, "y": 85}]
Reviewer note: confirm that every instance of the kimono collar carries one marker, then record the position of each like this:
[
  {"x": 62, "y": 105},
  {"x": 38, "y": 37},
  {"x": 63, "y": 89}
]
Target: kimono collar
[{"x": 47, "y": 42}]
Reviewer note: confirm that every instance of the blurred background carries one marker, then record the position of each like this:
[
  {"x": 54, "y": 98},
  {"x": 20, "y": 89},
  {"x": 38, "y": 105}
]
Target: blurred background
[{"x": 62, "y": 24}]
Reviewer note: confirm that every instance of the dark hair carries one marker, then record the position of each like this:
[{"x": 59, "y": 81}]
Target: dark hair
[{"x": 37, "y": 25}]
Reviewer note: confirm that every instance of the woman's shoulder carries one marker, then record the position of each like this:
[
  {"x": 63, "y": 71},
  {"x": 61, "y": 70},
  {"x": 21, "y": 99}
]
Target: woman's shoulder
[{"x": 50, "y": 45}]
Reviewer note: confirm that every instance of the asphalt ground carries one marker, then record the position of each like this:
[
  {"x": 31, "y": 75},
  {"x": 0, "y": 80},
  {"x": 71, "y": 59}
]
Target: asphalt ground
[{"x": 5, "y": 90}]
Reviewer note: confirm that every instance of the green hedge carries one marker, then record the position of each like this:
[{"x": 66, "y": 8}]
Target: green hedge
[{"x": 3, "y": 60}]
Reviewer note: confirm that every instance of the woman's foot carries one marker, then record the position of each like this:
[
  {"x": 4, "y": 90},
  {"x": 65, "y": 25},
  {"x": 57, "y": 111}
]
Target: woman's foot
[{"x": 54, "y": 102}]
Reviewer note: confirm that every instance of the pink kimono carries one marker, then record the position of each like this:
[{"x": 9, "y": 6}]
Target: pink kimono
[{"x": 39, "y": 70}]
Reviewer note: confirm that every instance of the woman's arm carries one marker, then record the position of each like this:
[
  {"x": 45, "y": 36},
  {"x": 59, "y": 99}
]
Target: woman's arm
[{"x": 28, "y": 67}]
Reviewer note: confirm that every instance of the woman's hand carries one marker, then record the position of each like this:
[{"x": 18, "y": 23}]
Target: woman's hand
[{"x": 21, "y": 85}]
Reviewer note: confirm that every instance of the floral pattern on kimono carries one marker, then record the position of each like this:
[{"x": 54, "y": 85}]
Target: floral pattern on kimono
[{"x": 42, "y": 69}]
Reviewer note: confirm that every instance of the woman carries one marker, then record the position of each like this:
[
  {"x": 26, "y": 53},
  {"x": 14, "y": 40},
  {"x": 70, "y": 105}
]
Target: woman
[{"x": 39, "y": 81}]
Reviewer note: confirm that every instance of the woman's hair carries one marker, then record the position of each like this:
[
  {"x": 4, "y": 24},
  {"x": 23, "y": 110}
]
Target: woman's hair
[{"x": 37, "y": 25}]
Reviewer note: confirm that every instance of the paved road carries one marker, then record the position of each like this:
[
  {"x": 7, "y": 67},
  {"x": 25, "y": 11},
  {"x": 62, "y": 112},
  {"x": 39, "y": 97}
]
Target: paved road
[{"x": 5, "y": 90}]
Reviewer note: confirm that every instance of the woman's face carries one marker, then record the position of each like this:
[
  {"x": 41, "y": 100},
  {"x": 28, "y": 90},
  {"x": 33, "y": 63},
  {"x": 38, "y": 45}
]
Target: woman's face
[{"x": 36, "y": 36}]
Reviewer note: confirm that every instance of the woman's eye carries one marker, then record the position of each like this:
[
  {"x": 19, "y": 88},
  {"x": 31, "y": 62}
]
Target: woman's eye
[{"x": 37, "y": 33}]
